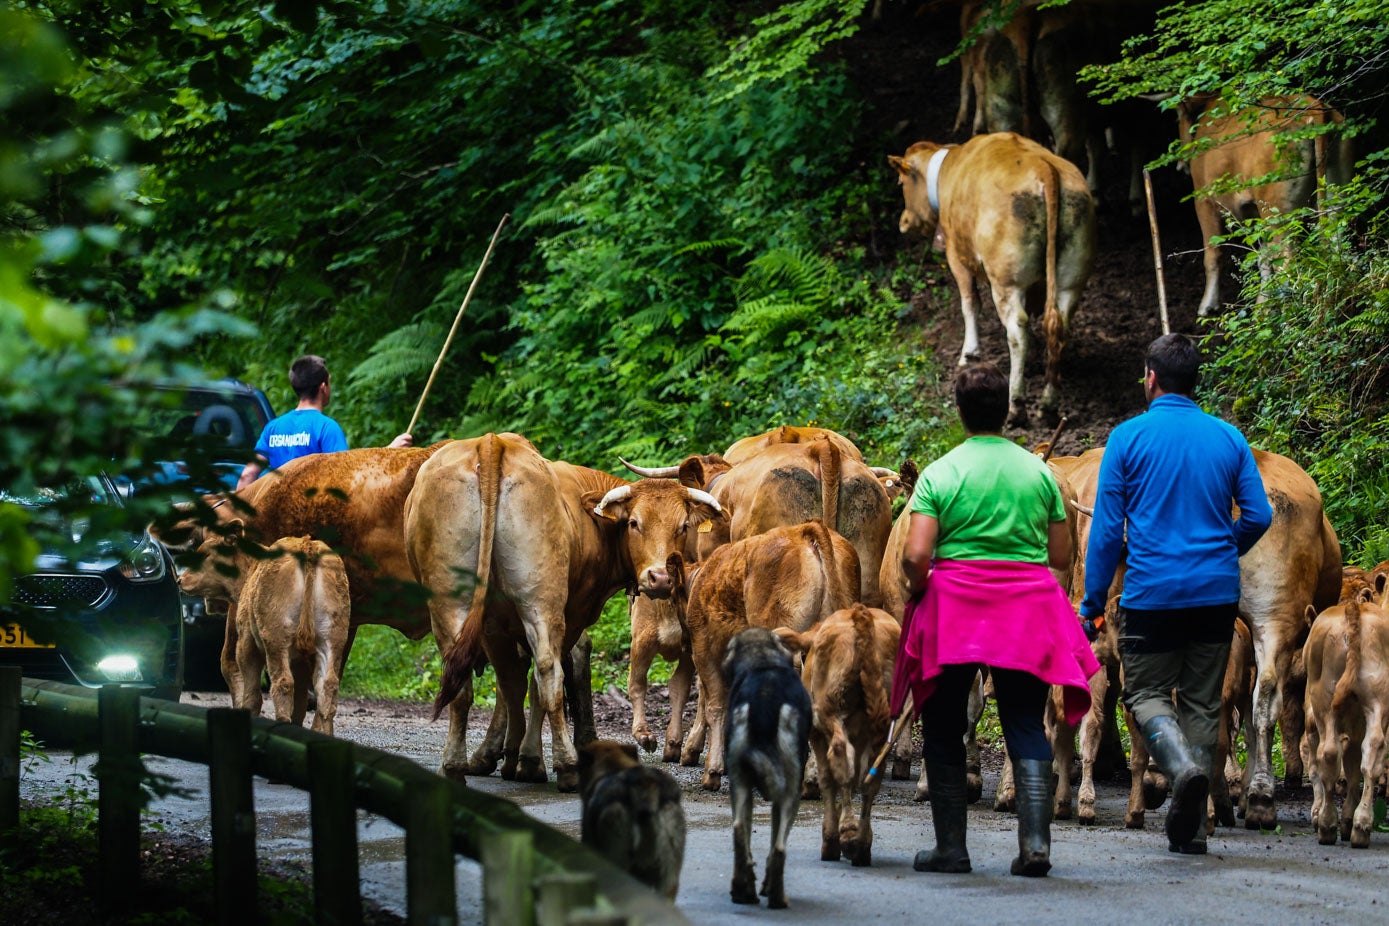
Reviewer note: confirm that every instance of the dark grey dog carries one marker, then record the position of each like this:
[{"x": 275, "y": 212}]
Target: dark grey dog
[
  {"x": 631, "y": 814},
  {"x": 767, "y": 738}
]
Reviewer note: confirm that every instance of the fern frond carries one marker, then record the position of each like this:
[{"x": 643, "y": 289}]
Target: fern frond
[{"x": 400, "y": 354}]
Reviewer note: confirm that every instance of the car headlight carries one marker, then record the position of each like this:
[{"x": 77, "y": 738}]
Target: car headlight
[{"x": 145, "y": 563}]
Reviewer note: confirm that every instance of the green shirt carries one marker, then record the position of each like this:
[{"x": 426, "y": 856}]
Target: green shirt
[{"x": 993, "y": 500}]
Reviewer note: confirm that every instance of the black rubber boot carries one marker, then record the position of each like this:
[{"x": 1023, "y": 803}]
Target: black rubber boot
[
  {"x": 1197, "y": 844},
  {"x": 1032, "y": 784},
  {"x": 1190, "y": 780},
  {"x": 949, "y": 812}
]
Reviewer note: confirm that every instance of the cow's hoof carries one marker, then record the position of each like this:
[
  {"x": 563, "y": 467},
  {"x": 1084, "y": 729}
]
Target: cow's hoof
[
  {"x": 1133, "y": 821},
  {"x": 1087, "y": 817},
  {"x": 810, "y": 790},
  {"x": 901, "y": 769},
  {"x": 1292, "y": 782},
  {"x": 1017, "y": 416},
  {"x": 1225, "y": 814},
  {"x": 1360, "y": 837},
  {"x": 1326, "y": 835},
  {"x": 829, "y": 850},
  {"x": 974, "y": 788},
  {"x": 1153, "y": 795},
  {"x": 862, "y": 857},
  {"x": 1062, "y": 812},
  {"x": 482, "y": 766},
  {"x": 777, "y": 901},
  {"x": 922, "y": 795},
  {"x": 744, "y": 890},
  {"x": 671, "y": 753},
  {"x": 711, "y": 781},
  {"x": 455, "y": 773},
  {"x": 646, "y": 742},
  {"x": 1259, "y": 814},
  {"x": 689, "y": 759},
  {"x": 531, "y": 769},
  {"x": 1004, "y": 803},
  {"x": 567, "y": 778}
]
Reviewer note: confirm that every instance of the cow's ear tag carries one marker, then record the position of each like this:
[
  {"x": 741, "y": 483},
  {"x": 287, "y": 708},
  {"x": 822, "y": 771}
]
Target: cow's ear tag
[{"x": 704, "y": 527}]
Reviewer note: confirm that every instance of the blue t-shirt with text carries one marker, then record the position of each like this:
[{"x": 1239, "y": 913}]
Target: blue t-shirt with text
[{"x": 298, "y": 434}]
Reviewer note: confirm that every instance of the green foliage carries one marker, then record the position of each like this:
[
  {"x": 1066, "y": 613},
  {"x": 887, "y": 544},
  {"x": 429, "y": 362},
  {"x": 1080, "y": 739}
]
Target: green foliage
[
  {"x": 1302, "y": 363},
  {"x": 784, "y": 41},
  {"x": 385, "y": 664}
]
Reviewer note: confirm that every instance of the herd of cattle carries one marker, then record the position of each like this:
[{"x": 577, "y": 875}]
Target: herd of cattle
[
  {"x": 1019, "y": 219},
  {"x": 507, "y": 557}
]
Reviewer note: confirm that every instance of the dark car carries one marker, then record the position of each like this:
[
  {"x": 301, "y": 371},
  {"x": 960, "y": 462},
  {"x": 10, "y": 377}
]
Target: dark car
[
  {"x": 221, "y": 419},
  {"x": 98, "y": 611}
]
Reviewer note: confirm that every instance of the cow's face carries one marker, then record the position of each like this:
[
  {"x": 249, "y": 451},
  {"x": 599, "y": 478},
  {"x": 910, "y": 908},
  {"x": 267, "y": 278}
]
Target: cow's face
[
  {"x": 656, "y": 518},
  {"x": 210, "y": 571},
  {"x": 918, "y": 219}
]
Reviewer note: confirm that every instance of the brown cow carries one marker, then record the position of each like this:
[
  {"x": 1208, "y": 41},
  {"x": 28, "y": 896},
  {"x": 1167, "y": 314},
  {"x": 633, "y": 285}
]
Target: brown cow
[
  {"x": 1347, "y": 659},
  {"x": 292, "y": 613},
  {"x": 790, "y": 577},
  {"x": 1245, "y": 146},
  {"x": 786, "y": 483},
  {"x": 538, "y": 547},
  {"x": 849, "y": 660},
  {"x": 1017, "y": 217},
  {"x": 749, "y": 447},
  {"x": 658, "y": 629}
]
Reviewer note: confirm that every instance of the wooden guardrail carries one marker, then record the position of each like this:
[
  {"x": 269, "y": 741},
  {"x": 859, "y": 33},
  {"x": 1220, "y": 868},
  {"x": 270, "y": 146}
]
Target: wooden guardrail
[{"x": 532, "y": 873}]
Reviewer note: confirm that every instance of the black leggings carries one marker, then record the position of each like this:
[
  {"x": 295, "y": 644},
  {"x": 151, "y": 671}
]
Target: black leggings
[{"x": 1022, "y": 701}]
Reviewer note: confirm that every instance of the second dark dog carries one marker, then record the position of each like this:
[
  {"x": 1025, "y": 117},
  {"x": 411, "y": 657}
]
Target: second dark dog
[
  {"x": 631, "y": 814},
  {"x": 767, "y": 738}
]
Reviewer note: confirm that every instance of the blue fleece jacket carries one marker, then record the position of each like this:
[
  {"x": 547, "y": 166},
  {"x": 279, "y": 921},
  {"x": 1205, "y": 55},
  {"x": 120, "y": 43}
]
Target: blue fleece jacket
[{"x": 1171, "y": 475}]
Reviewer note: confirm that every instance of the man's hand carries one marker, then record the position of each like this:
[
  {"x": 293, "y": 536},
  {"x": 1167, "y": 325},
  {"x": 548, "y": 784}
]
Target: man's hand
[
  {"x": 402, "y": 440},
  {"x": 1092, "y": 627}
]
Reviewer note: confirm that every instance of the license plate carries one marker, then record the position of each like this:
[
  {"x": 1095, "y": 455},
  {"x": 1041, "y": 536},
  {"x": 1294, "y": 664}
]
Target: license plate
[{"x": 13, "y": 635}]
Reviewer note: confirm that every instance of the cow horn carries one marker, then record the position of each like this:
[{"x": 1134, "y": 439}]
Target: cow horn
[
  {"x": 1082, "y": 509},
  {"x": 653, "y": 472},
  {"x": 705, "y": 498},
  {"x": 619, "y": 494}
]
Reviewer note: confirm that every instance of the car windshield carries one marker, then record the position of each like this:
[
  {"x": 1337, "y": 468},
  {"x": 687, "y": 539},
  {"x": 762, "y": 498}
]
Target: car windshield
[{"x": 201, "y": 412}]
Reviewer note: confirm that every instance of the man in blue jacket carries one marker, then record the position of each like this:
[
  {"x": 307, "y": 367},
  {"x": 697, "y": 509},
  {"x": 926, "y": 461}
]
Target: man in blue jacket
[
  {"x": 306, "y": 429},
  {"x": 1167, "y": 483}
]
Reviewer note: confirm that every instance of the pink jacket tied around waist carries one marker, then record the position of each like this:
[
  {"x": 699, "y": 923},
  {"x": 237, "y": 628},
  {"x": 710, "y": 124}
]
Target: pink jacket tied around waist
[{"x": 1008, "y": 615}]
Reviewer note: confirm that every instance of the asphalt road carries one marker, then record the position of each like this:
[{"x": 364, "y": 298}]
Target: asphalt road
[{"x": 1102, "y": 872}]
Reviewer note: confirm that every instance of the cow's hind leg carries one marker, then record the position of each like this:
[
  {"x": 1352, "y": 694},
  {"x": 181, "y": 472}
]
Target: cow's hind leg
[
  {"x": 679, "y": 688},
  {"x": 1138, "y": 768},
  {"x": 578, "y": 689},
  {"x": 974, "y": 776},
  {"x": 1372, "y": 763},
  {"x": 1012, "y": 311}
]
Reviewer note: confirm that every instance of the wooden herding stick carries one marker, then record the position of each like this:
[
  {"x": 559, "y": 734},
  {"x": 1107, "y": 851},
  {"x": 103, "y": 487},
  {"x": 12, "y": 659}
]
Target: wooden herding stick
[
  {"x": 1051, "y": 444},
  {"x": 458, "y": 318},
  {"x": 1157, "y": 253},
  {"x": 901, "y": 724}
]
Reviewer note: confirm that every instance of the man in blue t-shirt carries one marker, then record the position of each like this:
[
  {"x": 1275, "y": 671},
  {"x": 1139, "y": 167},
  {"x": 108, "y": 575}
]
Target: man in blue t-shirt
[
  {"x": 304, "y": 430},
  {"x": 1167, "y": 484}
]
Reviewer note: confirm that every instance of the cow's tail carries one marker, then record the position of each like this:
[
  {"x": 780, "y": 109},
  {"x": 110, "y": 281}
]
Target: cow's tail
[
  {"x": 304, "y": 634},
  {"x": 837, "y": 597},
  {"x": 870, "y": 671},
  {"x": 1350, "y": 606},
  {"x": 1051, "y": 315},
  {"x": 831, "y": 466},
  {"x": 461, "y": 656}
]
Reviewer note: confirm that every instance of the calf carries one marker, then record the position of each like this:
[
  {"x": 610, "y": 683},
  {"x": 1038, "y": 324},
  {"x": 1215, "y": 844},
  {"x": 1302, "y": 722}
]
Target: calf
[
  {"x": 848, "y": 669},
  {"x": 1347, "y": 711},
  {"x": 631, "y": 814},
  {"x": 292, "y": 614},
  {"x": 788, "y": 577},
  {"x": 767, "y": 733}
]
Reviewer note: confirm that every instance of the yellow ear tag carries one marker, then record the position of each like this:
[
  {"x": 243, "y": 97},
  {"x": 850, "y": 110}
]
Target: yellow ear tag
[{"x": 704, "y": 527}]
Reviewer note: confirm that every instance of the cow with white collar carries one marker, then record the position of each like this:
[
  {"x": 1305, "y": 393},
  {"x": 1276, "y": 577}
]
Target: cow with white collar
[{"x": 1017, "y": 217}]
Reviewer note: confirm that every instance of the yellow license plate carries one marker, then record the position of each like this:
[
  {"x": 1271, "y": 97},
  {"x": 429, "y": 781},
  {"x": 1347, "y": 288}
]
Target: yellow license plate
[{"x": 13, "y": 635}]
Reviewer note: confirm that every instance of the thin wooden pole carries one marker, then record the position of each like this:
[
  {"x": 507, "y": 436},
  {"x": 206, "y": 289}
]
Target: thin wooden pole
[
  {"x": 508, "y": 867},
  {"x": 1157, "y": 253},
  {"x": 233, "y": 815},
  {"x": 333, "y": 811},
  {"x": 10, "y": 678},
  {"x": 430, "y": 895},
  {"x": 118, "y": 801},
  {"x": 457, "y": 318},
  {"x": 1055, "y": 435}
]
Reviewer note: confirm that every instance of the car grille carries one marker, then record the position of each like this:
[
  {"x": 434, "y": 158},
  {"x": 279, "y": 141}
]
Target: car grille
[{"x": 51, "y": 591}]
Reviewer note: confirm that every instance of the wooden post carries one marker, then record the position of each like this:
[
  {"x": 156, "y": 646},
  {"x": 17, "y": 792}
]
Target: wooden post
[
  {"x": 118, "y": 775},
  {"x": 430, "y": 897},
  {"x": 333, "y": 813},
  {"x": 561, "y": 894},
  {"x": 508, "y": 867},
  {"x": 10, "y": 677},
  {"x": 233, "y": 815}
]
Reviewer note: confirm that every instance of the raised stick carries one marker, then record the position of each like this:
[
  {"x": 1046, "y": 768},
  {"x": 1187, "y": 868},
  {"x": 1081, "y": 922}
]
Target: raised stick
[
  {"x": 458, "y": 318},
  {"x": 1051, "y": 444},
  {"x": 901, "y": 723},
  {"x": 1157, "y": 253}
]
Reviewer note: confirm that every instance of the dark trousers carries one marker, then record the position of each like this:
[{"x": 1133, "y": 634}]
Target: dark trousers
[
  {"x": 1022, "y": 701},
  {"x": 1183, "y": 650}
]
